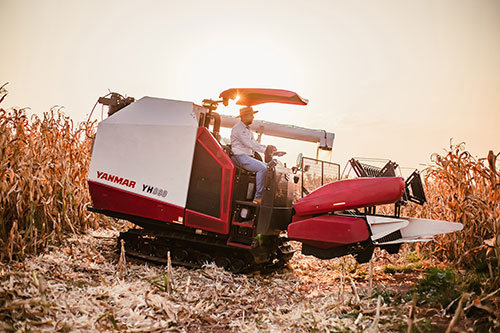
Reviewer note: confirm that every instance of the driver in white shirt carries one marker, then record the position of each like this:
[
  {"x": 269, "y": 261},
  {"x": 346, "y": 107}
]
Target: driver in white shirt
[{"x": 244, "y": 145}]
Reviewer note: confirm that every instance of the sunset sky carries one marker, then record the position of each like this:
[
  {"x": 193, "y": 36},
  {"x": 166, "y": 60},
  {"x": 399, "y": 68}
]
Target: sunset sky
[{"x": 392, "y": 79}]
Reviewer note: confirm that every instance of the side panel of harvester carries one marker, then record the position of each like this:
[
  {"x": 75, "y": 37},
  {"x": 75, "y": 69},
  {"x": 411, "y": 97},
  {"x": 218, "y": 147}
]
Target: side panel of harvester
[
  {"x": 142, "y": 158},
  {"x": 211, "y": 186}
]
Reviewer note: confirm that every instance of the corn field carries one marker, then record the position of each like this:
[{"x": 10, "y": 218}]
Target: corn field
[
  {"x": 43, "y": 188},
  {"x": 461, "y": 188},
  {"x": 80, "y": 284}
]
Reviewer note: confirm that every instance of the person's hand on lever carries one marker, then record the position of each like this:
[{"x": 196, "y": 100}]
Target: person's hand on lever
[{"x": 269, "y": 153}]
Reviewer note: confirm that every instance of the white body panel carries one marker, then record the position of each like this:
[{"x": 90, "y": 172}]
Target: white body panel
[
  {"x": 151, "y": 143},
  {"x": 412, "y": 229}
]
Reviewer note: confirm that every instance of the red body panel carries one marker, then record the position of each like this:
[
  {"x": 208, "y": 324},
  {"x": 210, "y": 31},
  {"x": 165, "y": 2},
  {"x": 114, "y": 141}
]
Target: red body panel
[
  {"x": 203, "y": 221},
  {"x": 351, "y": 193},
  {"x": 255, "y": 96},
  {"x": 328, "y": 231},
  {"x": 120, "y": 201}
]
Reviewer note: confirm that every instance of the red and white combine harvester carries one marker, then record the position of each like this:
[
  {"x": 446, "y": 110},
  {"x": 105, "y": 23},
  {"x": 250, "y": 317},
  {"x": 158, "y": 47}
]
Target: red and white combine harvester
[{"x": 162, "y": 165}]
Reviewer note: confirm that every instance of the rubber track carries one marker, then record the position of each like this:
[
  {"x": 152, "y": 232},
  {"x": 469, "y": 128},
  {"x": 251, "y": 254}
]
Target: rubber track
[{"x": 197, "y": 244}]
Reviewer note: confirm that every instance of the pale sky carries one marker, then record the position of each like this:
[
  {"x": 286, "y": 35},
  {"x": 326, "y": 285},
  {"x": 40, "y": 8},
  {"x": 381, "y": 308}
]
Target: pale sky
[{"x": 392, "y": 79}]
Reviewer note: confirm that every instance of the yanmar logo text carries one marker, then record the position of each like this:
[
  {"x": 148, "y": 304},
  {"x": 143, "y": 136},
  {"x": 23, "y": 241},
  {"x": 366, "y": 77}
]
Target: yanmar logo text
[{"x": 116, "y": 179}]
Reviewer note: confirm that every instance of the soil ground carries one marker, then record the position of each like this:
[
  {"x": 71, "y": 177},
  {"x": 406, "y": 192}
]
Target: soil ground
[{"x": 82, "y": 286}]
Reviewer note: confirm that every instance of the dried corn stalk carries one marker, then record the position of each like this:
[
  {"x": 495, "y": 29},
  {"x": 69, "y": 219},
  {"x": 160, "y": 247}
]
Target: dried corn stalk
[
  {"x": 461, "y": 188},
  {"x": 43, "y": 187}
]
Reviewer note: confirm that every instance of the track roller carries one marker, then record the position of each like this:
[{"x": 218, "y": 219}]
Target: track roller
[
  {"x": 223, "y": 262},
  {"x": 237, "y": 265},
  {"x": 203, "y": 258}
]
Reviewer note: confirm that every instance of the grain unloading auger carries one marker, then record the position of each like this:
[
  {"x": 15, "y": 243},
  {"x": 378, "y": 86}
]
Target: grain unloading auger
[{"x": 162, "y": 165}]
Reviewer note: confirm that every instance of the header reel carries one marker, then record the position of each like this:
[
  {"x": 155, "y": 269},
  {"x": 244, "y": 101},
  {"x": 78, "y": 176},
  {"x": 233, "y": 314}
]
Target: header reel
[{"x": 414, "y": 189}]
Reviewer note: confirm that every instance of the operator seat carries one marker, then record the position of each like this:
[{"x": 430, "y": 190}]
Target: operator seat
[{"x": 244, "y": 181}]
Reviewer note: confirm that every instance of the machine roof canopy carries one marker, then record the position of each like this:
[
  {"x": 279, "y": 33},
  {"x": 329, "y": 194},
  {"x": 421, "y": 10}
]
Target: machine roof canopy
[{"x": 255, "y": 96}]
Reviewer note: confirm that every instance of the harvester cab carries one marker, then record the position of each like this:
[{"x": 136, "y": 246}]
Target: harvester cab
[{"x": 162, "y": 165}]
